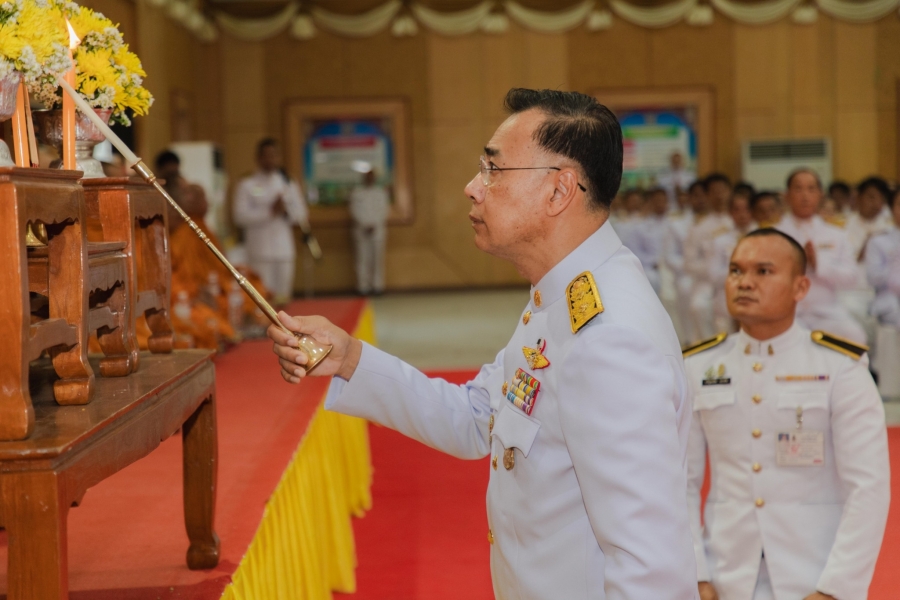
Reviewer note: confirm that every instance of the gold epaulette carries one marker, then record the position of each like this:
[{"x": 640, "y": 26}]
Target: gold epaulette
[
  {"x": 839, "y": 344},
  {"x": 837, "y": 221},
  {"x": 583, "y": 301},
  {"x": 704, "y": 345}
]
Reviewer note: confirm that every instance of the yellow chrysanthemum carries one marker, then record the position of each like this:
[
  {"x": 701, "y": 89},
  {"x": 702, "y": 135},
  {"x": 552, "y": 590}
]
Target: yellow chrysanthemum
[
  {"x": 10, "y": 42},
  {"x": 86, "y": 21}
]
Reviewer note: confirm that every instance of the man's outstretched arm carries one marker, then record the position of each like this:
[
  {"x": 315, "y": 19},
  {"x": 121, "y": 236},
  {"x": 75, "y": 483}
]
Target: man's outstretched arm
[{"x": 374, "y": 385}]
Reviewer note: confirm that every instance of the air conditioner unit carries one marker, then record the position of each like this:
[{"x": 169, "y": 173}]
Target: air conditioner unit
[{"x": 767, "y": 163}]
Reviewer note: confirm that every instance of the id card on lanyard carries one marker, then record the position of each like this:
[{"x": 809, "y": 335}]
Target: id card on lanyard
[{"x": 800, "y": 448}]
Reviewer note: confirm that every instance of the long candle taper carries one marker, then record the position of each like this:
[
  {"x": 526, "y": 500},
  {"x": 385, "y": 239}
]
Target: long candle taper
[
  {"x": 68, "y": 120},
  {"x": 315, "y": 351}
]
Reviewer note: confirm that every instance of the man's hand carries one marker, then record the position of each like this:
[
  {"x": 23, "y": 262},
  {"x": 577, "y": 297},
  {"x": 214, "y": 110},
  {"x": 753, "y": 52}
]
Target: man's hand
[
  {"x": 342, "y": 360},
  {"x": 810, "y": 255},
  {"x": 707, "y": 591},
  {"x": 819, "y": 596},
  {"x": 278, "y": 208}
]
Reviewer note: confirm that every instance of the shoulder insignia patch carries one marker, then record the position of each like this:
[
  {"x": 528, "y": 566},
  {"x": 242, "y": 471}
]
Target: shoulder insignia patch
[
  {"x": 583, "y": 301},
  {"x": 839, "y": 344},
  {"x": 704, "y": 345}
]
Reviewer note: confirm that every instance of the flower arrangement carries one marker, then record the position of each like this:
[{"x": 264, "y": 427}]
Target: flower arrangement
[
  {"x": 109, "y": 75},
  {"x": 33, "y": 41}
]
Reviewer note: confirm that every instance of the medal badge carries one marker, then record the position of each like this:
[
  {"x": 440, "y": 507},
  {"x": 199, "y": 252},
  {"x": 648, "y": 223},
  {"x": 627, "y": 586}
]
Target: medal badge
[{"x": 535, "y": 356}]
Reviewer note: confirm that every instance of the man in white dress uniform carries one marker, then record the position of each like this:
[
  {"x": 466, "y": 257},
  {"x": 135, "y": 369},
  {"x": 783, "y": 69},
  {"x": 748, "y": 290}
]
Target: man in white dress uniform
[
  {"x": 795, "y": 430},
  {"x": 832, "y": 266},
  {"x": 585, "y": 413},
  {"x": 268, "y": 205}
]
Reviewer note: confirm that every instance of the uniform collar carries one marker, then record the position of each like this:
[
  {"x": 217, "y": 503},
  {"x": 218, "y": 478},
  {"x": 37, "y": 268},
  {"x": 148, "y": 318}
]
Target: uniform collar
[
  {"x": 593, "y": 251},
  {"x": 779, "y": 345}
]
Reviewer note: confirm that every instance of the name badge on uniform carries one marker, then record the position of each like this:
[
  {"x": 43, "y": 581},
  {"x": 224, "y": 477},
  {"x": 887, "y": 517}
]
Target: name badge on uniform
[
  {"x": 800, "y": 448},
  {"x": 716, "y": 376}
]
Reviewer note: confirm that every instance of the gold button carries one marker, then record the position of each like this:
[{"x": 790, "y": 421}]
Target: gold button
[
  {"x": 491, "y": 424},
  {"x": 760, "y": 502},
  {"x": 509, "y": 458},
  {"x": 537, "y": 298},
  {"x": 757, "y": 467},
  {"x": 490, "y": 537},
  {"x": 756, "y": 433},
  {"x": 526, "y": 317},
  {"x": 504, "y": 388},
  {"x": 757, "y": 367},
  {"x": 494, "y": 463},
  {"x": 757, "y": 398}
]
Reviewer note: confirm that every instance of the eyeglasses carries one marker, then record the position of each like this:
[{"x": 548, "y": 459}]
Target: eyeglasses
[{"x": 487, "y": 168}]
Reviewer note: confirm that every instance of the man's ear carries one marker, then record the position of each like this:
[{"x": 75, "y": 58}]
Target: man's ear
[
  {"x": 801, "y": 287},
  {"x": 564, "y": 192}
]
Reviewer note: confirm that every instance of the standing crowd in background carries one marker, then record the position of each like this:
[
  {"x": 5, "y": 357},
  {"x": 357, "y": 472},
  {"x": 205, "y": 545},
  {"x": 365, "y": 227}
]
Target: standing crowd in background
[{"x": 684, "y": 234}]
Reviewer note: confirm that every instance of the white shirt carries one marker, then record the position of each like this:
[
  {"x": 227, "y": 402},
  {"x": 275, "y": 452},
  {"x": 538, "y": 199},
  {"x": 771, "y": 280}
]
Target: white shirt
[
  {"x": 369, "y": 206},
  {"x": 595, "y": 504},
  {"x": 819, "y": 526},
  {"x": 698, "y": 245},
  {"x": 268, "y": 237},
  {"x": 883, "y": 271},
  {"x": 836, "y": 267},
  {"x": 674, "y": 239},
  {"x": 648, "y": 245}
]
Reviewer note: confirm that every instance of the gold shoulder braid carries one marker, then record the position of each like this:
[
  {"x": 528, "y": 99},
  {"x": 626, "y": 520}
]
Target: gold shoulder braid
[
  {"x": 839, "y": 344},
  {"x": 704, "y": 345},
  {"x": 584, "y": 301}
]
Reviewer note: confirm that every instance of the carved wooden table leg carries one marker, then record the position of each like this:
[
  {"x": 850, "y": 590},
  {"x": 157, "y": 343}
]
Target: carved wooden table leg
[
  {"x": 200, "y": 469},
  {"x": 156, "y": 272},
  {"x": 16, "y": 413},
  {"x": 118, "y": 345},
  {"x": 35, "y": 512},
  {"x": 69, "y": 301}
]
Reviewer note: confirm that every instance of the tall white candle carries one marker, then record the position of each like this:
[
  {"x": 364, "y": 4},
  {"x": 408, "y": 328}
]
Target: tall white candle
[{"x": 131, "y": 158}]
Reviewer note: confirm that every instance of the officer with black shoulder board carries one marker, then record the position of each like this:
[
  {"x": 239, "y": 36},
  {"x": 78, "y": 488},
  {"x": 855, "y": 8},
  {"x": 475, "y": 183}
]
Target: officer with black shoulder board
[{"x": 795, "y": 431}]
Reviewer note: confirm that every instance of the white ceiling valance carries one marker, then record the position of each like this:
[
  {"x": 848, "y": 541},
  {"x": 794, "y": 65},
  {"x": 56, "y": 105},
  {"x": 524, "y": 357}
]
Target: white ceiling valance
[{"x": 493, "y": 16}]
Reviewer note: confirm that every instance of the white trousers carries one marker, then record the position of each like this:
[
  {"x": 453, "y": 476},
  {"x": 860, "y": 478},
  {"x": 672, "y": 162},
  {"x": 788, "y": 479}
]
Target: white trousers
[
  {"x": 278, "y": 276},
  {"x": 369, "y": 243}
]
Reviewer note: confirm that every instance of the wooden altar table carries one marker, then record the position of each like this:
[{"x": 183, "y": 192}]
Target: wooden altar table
[{"x": 75, "y": 447}]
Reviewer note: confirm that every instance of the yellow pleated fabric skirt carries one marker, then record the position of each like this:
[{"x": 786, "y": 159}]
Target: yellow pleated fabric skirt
[{"x": 304, "y": 548}]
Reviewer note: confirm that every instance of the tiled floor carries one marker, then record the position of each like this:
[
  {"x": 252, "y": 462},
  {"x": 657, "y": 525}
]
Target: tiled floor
[{"x": 458, "y": 330}]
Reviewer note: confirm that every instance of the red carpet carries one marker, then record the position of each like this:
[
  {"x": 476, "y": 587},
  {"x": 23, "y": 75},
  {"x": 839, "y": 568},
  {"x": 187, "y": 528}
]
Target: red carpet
[
  {"x": 127, "y": 539},
  {"x": 426, "y": 535}
]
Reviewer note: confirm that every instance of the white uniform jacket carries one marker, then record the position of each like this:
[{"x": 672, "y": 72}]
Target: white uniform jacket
[
  {"x": 268, "y": 237},
  {"x": 883, "y": 274},
  {"x": 820, "y": 527},
  {"x": 836, "y": 269},
  {"x": 592, "y": 503}
]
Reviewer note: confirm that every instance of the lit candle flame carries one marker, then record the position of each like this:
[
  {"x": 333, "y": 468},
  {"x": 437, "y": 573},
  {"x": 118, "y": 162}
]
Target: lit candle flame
[{"x": 74, "y": 40}]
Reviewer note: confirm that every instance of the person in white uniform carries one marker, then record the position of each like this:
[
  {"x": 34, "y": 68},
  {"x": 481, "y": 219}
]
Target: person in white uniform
[
  {"x": 673, "y": 257},
  {"x": 872, "y": 194},
  {"x": 720, "y": 257},
  {"x": 675, "y": 179},
  {"x": 832, "y": 266},
  {"x": 795, "y": 434},
  {"x": 267, "y": 205},
  {"x": 698, "y": 254},
  {"x": 585, "y": 412},
  {"x": 650, "y": 235},
  {"x": 882, "y": 260},
  {"x": 370, "y": 206}
]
